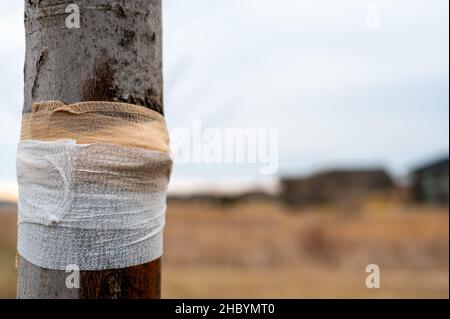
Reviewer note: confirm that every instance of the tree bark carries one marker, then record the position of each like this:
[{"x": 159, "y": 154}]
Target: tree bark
[{"x": 115, "y": 55}]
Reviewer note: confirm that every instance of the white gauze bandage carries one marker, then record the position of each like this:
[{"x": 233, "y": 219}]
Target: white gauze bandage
[{"x": 97, "y": 205}]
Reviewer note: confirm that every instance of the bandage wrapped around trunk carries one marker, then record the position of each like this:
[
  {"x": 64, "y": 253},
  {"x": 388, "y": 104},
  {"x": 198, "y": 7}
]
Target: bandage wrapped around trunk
[{"x": 92, "y": 181}]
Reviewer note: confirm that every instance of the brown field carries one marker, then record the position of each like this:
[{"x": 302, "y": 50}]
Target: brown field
[{"x": 255, "y": 250}]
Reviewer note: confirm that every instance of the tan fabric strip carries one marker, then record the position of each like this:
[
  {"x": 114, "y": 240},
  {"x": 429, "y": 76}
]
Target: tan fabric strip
[{"x": 97, "y": 122}]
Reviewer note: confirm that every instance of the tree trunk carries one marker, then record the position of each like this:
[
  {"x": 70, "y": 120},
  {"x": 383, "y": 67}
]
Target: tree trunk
[{"x": 114, "y": 55}]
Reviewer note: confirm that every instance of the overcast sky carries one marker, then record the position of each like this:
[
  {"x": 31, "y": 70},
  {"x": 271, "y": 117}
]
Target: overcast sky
[{"x": 341, "y": 90}]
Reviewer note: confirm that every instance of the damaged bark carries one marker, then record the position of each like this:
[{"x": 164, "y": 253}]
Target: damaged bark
[{"x": 115, "y": 55}]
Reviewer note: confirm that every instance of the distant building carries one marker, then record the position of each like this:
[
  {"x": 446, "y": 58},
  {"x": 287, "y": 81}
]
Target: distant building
[
  {"x": 224, "y": 199},
  {"x": 430, "y": 183},
  {"x": 335, "y": 186}
]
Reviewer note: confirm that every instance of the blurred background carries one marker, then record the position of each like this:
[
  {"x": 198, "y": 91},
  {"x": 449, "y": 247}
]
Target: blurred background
[{"x": 357, "y": 96}]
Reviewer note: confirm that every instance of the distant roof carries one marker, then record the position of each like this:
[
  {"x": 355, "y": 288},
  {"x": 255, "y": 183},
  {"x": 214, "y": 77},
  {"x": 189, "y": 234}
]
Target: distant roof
[
  {"x": 344, "y": 173},
  {"x": 436, "y": 165},
  {"x": 341, "y": 171},
  {"x": 354, "y": 171}
]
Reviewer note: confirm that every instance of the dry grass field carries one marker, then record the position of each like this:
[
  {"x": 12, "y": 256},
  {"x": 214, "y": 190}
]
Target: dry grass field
[
  {"x": 255, "y": 250},
  {"x": 8, "y": 235}
]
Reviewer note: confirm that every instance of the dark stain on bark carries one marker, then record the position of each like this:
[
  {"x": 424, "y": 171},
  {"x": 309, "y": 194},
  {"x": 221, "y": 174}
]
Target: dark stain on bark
[
  {"x": 128, "y": 38},
  {"x": 149, "y": 99},
  {"x": 101, "y": 86},
  {"x": 149, "y": 37},
  {"x": 153, "y": 101},
  {"x": 143, "y": 281},
  {"x": 34, "y": 2},
  {"x": 39, "y": 62},
  {"x": 119, "y": 11}
]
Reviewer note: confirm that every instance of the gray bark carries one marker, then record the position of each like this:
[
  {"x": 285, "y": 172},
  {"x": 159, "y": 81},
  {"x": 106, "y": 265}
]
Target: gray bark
[
  {"x": 39, "y": 283},
  {"x": 115, "y": 55}
]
